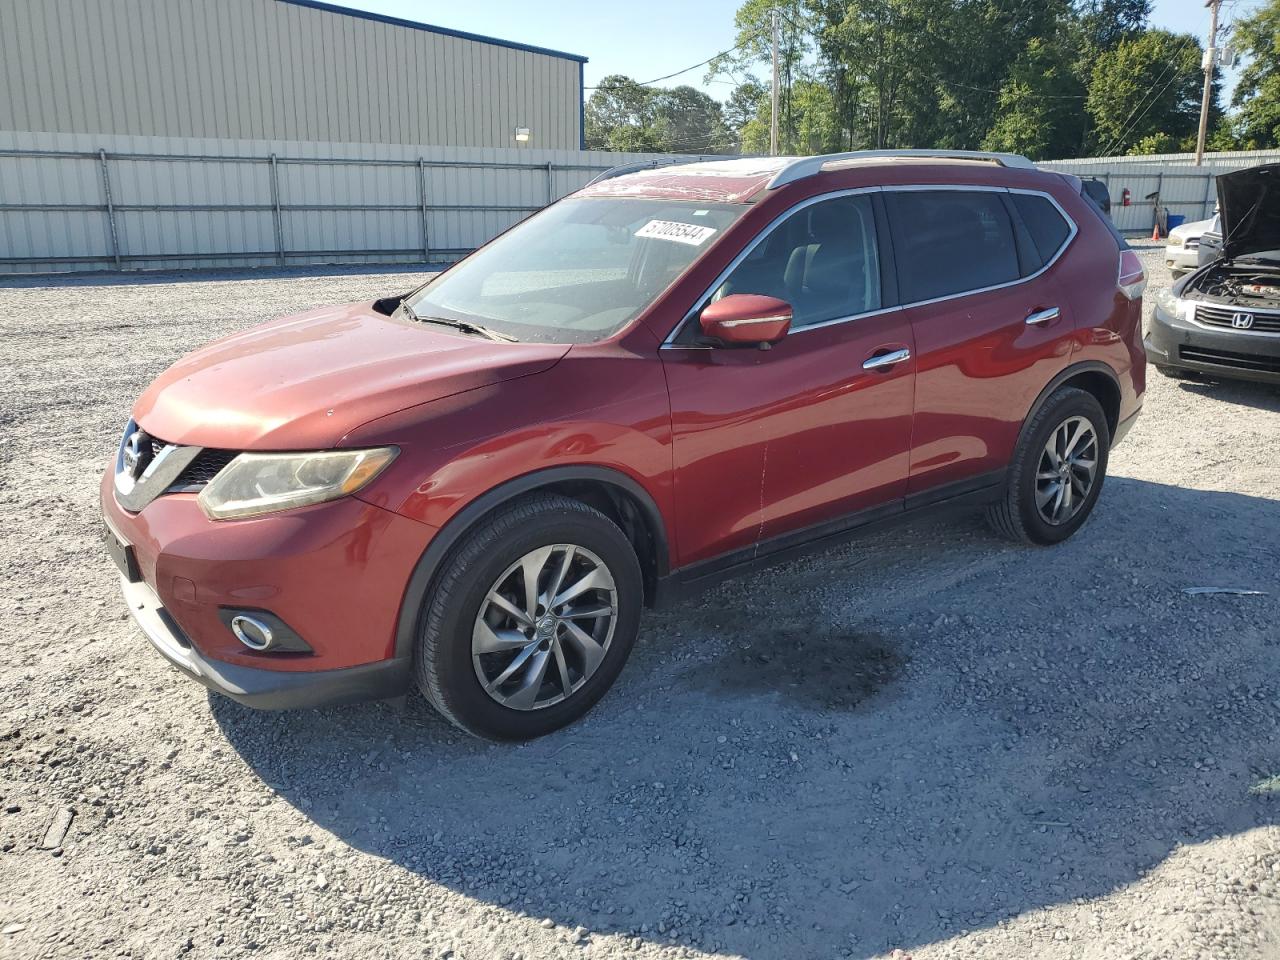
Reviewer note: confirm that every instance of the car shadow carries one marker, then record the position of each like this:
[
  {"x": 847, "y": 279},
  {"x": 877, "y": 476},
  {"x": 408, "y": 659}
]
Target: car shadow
[
  {"x": 925, "y": 732},
  {"x": 1262, "y": 396}
]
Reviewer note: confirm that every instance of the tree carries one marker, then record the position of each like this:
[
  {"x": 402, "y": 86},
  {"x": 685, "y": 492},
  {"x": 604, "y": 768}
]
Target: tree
[
  {"x": 1038, "y": 111},
  {"x": 1257, "y": 94},
  {"x": 1104, "y": 23},
  {"x": 994, "y": 35},
  {"x": 744, "y": 103},
  {"x": 879, "y": 58},
  {"x": 753, "y": 46},
  {"x": 1147, "y": 85},
  {"x": 686, "y": 120},
  {"x": 619, "y": 116},
  {"x": 625, "y": 116}
]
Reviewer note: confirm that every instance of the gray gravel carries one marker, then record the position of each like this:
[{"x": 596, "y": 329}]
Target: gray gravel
[{"x": 928, "y": 743}]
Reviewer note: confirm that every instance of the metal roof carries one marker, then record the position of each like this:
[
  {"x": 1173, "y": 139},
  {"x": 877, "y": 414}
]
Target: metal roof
[{"x": 429, "y": 28}]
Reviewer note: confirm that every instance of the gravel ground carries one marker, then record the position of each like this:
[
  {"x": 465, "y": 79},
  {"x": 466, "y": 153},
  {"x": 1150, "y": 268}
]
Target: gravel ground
[{"x": 928, "y": 743}]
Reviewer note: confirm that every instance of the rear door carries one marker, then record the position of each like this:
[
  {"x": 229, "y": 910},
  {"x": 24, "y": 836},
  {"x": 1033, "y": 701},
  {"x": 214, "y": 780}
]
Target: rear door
[{"x": 990, "y": 320}]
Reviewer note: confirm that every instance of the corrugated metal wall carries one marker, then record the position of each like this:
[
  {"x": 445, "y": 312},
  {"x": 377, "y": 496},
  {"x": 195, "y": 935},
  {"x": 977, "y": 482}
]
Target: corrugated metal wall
[
  {"x": 1184, "y": 188},
  {"x": 151, "y": 203},
  {"x": 272, "y": 70}
]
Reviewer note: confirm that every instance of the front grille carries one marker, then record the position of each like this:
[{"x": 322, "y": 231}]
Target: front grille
[
  {"x": 205, "y": 467},
  {"x": 199, "y": 471},
  {"x": 1227, "y": 358},
  {"x": 1221, "y": 317}
]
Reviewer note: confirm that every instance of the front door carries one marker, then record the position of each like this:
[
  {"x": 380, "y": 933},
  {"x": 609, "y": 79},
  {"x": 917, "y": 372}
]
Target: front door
[{"x": 774, "y": 442}]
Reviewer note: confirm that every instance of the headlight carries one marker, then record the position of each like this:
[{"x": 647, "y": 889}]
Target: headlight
[
  {"x": 1175, "y": 241},
  {"x": 1167, "y": 303},
  {"x": 256, "y": 483}
]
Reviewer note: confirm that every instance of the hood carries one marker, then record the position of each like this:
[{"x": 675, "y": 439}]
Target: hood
[
  {"x": 305, "y": 382},
  {"x": 1189, "y": 231},
  {"x": 1249, "y": 207}
]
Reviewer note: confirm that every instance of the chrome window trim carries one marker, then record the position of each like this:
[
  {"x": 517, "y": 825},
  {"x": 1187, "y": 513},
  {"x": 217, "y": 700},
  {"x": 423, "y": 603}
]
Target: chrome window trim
[
  {"x": 1234, "y": 331},
  {"x": 1072, "y": 232}
]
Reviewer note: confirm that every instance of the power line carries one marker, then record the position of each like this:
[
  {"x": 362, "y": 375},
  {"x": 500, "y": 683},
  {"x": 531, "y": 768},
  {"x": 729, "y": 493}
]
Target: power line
[
  {"x": 738, "y": 46},
  {"x": 1033, "y": 96},
  {"x": 1120, "y": 137}
]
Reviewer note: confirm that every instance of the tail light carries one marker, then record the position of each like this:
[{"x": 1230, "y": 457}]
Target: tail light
[{"x": 1133, "y": 279}]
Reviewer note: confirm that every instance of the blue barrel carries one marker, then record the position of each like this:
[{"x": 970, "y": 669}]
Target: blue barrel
[{"x": 1176, "y": 220}]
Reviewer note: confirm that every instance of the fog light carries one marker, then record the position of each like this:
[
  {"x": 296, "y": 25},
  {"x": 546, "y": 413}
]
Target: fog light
[
  {"x": 252, "y": 632},
  {"x": 262, "y": 631}
]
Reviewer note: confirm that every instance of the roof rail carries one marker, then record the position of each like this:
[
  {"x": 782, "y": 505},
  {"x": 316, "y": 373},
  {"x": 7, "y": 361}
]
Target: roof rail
[
  {"x": 802, "y": 167},
  {"x": 637, "y": 165}
]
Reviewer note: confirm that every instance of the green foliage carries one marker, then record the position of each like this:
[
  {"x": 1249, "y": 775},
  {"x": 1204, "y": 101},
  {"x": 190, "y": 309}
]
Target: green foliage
[
  {"x": 1257, "y": 94},
  {"x": 1154, "y": 143},
  {"x": 1045, "y": 78},
  {"x": 1038, "y": 110},
  {"x": 1147, "y": 85},
  {"x": 622, "y": 115},
  {"x": 1104, "y": 23},
  {"x": 753, "y": 47}
]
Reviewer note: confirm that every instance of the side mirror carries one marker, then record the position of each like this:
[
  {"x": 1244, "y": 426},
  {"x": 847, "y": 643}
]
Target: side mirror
[{"x": 746, "y": 319}]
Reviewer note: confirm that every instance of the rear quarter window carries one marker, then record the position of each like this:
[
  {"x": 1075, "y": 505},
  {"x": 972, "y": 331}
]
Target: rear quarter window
[{"x": 1048, "y": 229}]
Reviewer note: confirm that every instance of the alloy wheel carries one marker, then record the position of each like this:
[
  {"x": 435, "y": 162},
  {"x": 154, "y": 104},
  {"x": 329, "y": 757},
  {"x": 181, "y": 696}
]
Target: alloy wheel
[
  {"x": 544, "y": 627},
  {"x": 1067, "y": 471}
]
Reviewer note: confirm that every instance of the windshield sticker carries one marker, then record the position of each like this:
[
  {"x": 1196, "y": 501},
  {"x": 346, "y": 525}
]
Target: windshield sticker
[{"x": 689, "y": 233}]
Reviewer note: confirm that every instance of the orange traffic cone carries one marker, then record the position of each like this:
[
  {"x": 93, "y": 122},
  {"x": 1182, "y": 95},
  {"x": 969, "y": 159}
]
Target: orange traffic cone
[{"x": 1155, "y": 231}]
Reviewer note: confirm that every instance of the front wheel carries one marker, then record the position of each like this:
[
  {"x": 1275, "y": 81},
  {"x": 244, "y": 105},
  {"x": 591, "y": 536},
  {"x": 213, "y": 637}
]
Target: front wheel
[
  {"x": 531, "y": 621},
  {"x": 1057, "y": 470}
]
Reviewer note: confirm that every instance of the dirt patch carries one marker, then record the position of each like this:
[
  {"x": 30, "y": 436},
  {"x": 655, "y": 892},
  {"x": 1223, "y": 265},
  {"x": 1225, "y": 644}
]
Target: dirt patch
[{"x": 822, "y": 670}]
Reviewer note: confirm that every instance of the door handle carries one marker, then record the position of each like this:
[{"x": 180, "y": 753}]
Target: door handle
[
  {"x": 1043, "y": 316},
  {"x": 882, "y": 360}
]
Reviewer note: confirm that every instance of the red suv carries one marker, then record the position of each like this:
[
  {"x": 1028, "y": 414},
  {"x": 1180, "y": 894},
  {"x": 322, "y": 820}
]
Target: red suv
[{"x": 671, "y": 376}]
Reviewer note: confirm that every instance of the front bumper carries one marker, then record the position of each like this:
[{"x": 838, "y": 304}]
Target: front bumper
[
  {"x": 334, "y": 573},
  {"x": 1179, "y": 343},
  {"x": 253, "y": 686},
  {"x": 1181, "y": 258}
]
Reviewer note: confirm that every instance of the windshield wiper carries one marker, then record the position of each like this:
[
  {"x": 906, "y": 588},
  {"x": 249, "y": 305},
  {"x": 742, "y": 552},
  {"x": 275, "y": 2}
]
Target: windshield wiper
[{"x": 466, "y": 326}]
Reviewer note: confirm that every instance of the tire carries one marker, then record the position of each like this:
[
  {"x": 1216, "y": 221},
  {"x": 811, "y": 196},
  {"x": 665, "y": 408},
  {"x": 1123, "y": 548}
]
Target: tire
[
  {"x": 470, "y": 635},
  {"x": 1022, "y": 515},
  {"x": 1176, "y": 373}
]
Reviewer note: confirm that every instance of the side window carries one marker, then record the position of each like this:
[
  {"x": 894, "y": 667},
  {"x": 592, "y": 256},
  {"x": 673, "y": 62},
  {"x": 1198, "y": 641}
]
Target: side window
[
  {"x": 948, "y": 241},
  {"x": 822, "y": 260},
  {"x": 1049, "y": 231}
]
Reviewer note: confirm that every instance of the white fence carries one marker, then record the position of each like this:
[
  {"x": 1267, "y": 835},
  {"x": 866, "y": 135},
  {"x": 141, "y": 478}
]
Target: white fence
[
  {"x": 83, "y": 202},
  {"x": 1185, "y": 190},
  {"x": 78, "y": 202}
]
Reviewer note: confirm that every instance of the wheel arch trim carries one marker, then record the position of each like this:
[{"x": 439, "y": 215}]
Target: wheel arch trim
[
  {"x": 1070, "y": 373},
  {"x": 428, "y": 565}
]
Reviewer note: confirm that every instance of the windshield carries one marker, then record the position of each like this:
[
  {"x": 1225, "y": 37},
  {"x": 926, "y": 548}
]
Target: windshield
[{"x": 578, "y": 271}]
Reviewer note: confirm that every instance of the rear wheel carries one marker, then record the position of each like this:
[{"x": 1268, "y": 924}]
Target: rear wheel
[
  {"x": 531, "y": 620},
  {"x": 1057, "y": 471}
]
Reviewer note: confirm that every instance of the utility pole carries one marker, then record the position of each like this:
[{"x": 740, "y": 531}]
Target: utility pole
[
  {"x": 1210, "y": 61},
  {"x": 773, "y": 108}
]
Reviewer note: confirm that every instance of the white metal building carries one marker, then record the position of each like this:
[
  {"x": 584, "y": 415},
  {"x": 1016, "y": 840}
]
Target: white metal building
[{"x": 295, "y": 70}]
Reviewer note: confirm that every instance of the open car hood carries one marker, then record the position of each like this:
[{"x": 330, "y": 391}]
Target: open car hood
[{"x": 1249, "y": 205}]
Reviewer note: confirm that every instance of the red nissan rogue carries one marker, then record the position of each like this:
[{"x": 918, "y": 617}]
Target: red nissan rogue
[{"x": 671, "y": 376}]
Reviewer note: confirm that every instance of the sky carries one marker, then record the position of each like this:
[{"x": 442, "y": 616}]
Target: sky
[{"x": 649, "y": 40}]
